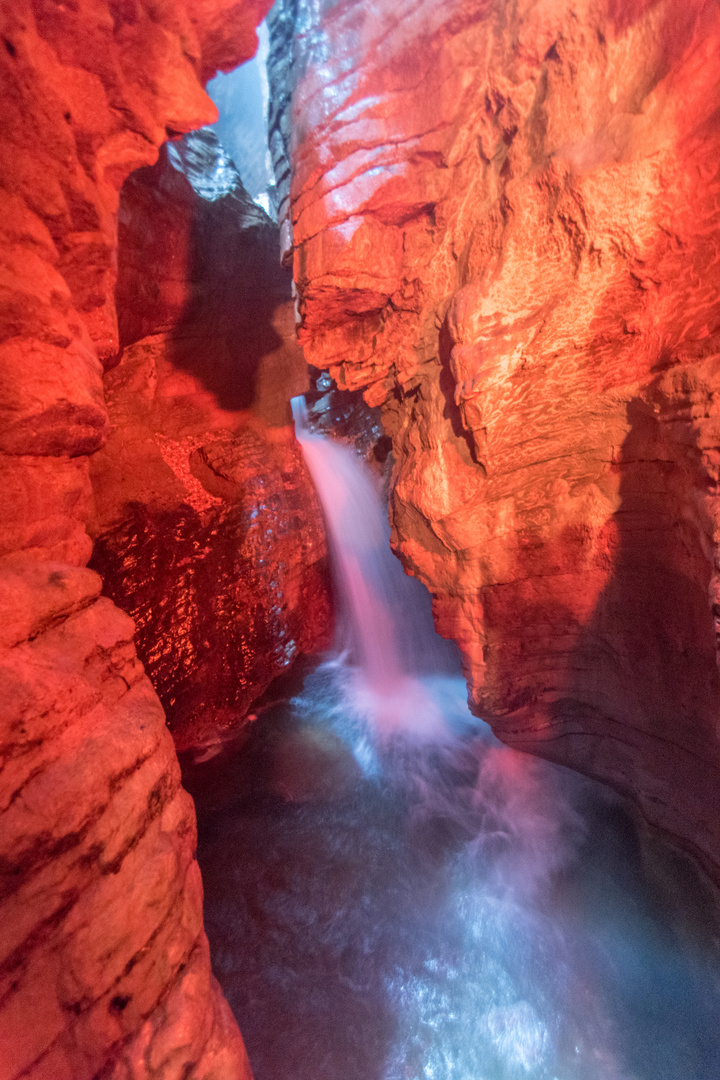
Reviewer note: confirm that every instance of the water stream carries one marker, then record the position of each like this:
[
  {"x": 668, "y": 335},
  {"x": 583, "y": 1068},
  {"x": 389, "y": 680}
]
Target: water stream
[{"x": 391, "y": 894}]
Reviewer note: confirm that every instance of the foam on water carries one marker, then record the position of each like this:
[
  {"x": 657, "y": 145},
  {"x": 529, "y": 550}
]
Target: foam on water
[
  {"x": 386, "y": 615},
  {"x": 446, "y": 909},
  {"x": 453, "y": 911}
]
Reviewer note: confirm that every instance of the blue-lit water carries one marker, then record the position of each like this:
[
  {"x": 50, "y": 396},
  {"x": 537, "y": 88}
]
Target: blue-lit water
[
  {"x": 447, "y": 910},
  {"x": 391, "y": 894}
]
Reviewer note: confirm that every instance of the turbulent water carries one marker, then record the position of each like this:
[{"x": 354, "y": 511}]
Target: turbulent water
[
  {"x": 386, "y": 618},
  {"x": 393, "y": 895}
]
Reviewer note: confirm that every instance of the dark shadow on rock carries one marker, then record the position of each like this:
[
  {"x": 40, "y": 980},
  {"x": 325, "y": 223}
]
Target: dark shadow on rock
[
  {"x": 204, "y": 269},
  {"x": 207, "y": 528},
  {"x": 643, "y": 692},
  {"x": 227, "y": 326}
]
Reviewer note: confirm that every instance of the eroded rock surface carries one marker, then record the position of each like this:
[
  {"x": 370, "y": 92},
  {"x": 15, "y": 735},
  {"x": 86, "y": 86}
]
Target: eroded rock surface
[
  {"x": 506, "y": 222},
  {"x": 104, "y": 963},
  {"x": 207, "y": 527},
  {"x": 214, "y": 543}
]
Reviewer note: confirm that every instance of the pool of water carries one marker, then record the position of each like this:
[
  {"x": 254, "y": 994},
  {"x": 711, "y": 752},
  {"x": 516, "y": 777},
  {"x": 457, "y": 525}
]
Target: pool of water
[{"x": 444, "y": 908}]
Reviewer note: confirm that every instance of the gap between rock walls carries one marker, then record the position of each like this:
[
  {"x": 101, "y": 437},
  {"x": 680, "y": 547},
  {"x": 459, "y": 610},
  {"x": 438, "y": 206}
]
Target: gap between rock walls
[{"x": 483, "y": 242}]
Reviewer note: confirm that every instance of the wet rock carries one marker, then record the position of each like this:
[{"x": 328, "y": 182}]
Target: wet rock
[
  {"x": 506, "y": 228},
  {"x": 221, "y": 561},
  {"x": 104, "y": 963},
  {"x": 345, "y": 416},
  {"x": 207, "y": 527}
]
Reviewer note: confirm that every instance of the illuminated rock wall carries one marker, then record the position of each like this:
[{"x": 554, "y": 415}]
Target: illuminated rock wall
[
  {"x": 104, "y": 966},
  {"x": 506, "y": 221},
  {"x": 206, "y": 525}
]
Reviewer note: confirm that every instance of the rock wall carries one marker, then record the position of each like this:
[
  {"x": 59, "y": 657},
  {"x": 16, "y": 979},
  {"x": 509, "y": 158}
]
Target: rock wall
[
  {"x": 282, "y": 68},
  {"x": 506, "y": 221},
  {"x": 103, "y": 960},
  {"x": 105, "y": 967},
  {"x": 207, "y": 528}
]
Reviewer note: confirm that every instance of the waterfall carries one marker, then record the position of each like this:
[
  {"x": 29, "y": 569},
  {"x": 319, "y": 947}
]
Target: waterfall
[
  {"x": 438, "y": 908},
  {"x": 385, "y": 613}
]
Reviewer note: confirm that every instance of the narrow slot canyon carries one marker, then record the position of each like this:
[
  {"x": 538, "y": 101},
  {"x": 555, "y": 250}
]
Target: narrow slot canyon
[{"x": 360, "y": 541}]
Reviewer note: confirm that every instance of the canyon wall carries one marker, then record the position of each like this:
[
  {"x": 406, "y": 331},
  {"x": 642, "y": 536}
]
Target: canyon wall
[
  {"x": 506, "y": 227},
  {"x": 207, "y": 528},
  {"x": 104, "y": 966}
]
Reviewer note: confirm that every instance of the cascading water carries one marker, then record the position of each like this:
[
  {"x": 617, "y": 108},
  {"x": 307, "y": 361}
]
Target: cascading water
[
  {"x": 387, "y": 615},
  {"x": 387, "y": 907}
]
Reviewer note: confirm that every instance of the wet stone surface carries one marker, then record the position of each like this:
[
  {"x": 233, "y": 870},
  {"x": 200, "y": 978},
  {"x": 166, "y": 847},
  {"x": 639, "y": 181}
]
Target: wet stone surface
[{"x": 225, "y": 596}]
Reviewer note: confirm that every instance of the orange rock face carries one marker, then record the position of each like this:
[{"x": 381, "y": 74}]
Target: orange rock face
[
  {"x": 103, "y": 959},
  {"x": 207, "y": 528},
  {"x": 104, "y": 965},
  {"x": 507, "y": 230}
]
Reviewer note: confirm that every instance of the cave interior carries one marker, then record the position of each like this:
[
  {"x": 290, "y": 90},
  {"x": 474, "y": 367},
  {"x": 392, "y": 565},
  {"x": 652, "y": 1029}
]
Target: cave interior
[{"x": 360, "y": 540}]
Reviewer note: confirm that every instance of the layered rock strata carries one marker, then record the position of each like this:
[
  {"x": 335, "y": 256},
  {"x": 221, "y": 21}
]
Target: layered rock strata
[
  {"x": 105, "y": 969},
  {"x": 282, "y": 70},
  {"x": 506, "y": 222},
  {"x": 104, "y": 963},
  {"x": 207, "y": 528}
]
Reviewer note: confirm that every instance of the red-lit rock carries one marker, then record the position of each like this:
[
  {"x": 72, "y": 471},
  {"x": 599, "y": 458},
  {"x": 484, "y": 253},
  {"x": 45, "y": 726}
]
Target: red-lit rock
[
  {"x": 79, "y": 114},
  {"x": 214, "y": 544},
  {"x": 207, "y": 527},
  {"x": 507, "y": 230},
  {"x": 104, "y": 964},
  {"x": 105, "y": 967}
]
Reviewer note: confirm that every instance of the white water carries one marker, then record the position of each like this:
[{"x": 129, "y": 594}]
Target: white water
[
  {"x": 385, "y": 614},
  {"x": 451, "y": 909}
]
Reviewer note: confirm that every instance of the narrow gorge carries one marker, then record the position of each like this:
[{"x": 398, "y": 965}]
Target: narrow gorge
[{"x": 477, "y": 244}]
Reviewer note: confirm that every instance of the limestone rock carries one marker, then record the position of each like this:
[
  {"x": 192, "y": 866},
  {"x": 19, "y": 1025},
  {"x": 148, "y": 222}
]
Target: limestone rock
[
  {"x": 103, "y": 959},
  {"x": 507, "y": 231},
  {"x": 205, "y": 270},
  {"x": 207, "y": 527},
  {"x": 214, "y": 543},
  {"x": 104, "y": 964}
]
